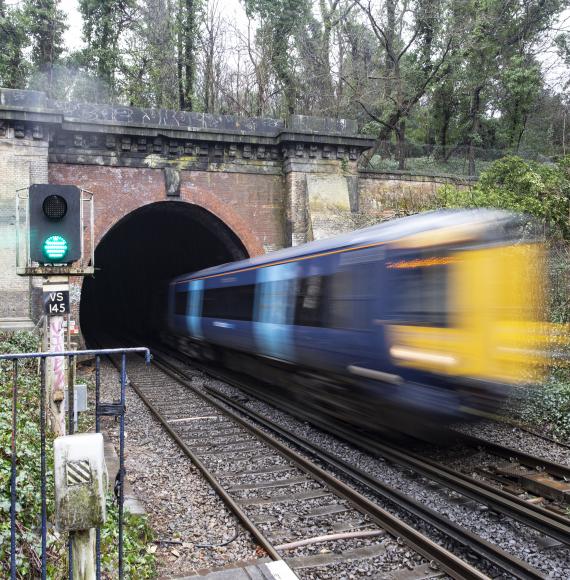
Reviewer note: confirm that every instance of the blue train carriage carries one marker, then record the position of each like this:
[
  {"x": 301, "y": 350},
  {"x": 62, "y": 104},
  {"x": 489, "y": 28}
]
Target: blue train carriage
[{"x": 422, "y": 320}]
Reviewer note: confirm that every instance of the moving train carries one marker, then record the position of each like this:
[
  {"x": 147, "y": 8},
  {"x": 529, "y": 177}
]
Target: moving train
[{"x": 408, "y": 325}]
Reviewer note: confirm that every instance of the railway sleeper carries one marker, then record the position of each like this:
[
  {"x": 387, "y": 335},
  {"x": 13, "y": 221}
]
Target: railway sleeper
[{"x": 538, "y": 483}]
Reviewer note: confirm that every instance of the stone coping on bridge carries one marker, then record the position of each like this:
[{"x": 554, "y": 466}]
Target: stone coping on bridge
[
  {"x": 35, "y": 106},
  {"x": 417, "y": 176}
]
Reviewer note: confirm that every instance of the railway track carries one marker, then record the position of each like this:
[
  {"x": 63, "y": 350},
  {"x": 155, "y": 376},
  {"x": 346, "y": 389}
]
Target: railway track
[
  {"x": 505, "y": 562},
  {"x": 520, "y": 472},
  {"x": 285, "y": 500},
  {"x": 549, "y": 523},
  {"x": 549, "y": 478}
]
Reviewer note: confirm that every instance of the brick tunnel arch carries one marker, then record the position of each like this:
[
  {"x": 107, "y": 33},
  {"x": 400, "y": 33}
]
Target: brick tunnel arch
[{"x": 139, "y": 253}]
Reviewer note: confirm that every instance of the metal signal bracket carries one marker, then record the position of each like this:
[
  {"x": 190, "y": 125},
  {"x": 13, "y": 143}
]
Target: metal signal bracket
[{"x": 85, "y": 266}]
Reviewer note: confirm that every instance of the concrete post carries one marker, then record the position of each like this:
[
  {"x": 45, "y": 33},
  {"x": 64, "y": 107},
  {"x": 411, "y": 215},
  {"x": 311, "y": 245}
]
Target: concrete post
[
  {"x": 56, "y": 379},
  {"x": 83, "y": 550},
  {"x": 80, "y": 489},
  {"x": 56, "y": 375}
]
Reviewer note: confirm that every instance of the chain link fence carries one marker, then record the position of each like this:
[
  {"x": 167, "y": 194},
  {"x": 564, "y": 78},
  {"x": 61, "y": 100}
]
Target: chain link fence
[{"x": 455, "y": 161}]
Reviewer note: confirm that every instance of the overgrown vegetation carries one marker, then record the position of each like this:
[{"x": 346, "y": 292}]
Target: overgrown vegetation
[
  {"x": 430, "y": 163},
  {"x": 543, "y": 192},
  {"x": 138, "y": 561},
  {"x": 447, "y": 75},
  {"x": 537, "y": 189},
  {"x": 548, "y": 411}
]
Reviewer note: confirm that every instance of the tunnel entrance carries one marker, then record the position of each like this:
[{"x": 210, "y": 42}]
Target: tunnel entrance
[{"x": 143, "y": 250}]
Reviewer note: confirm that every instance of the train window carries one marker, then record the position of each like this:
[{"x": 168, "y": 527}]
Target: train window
[
  {"x": 180, "y": 303},
  {"x": 309, "y": 310},
  {"x": 349, "y": 298},
  {"x": 230, "y": 302},
  {"x": 275, "y": 301},
  {"x": 339, "y": 300},
  {"x": 422, "y": 296}
]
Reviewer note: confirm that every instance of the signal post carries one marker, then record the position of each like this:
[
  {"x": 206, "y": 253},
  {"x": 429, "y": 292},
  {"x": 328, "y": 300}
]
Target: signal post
[
  {"x": 54, "y": 249},
  {"x": 50, "y": 224},
  {"x": 55, "y": 243},
  {"x": 56, "y": 307}
]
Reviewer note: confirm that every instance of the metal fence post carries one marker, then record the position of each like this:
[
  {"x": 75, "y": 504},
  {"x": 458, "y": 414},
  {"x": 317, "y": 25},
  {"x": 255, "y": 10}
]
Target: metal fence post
[
  {"x": 90, "y": 540},
  {"x": 13, "y": 471},
  {"x": 97, "y": 429},
  {"x": 43, "y": 464},
  {"x": 122, "y": 459}
]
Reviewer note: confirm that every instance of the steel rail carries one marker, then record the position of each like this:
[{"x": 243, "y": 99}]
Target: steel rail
[
  {"x": 208, "y": 474},
  {"x": 448, "y": 562},
  {"x": 547, "y": 522},
  {"x": 493, "y": 553},
  {"x": 551, "y": 467}
]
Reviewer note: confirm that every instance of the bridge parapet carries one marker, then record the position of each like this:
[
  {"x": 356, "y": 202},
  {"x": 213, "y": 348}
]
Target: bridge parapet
[
  {"x": 268, "y": 179},
  {"x": 119, "y": 135}
]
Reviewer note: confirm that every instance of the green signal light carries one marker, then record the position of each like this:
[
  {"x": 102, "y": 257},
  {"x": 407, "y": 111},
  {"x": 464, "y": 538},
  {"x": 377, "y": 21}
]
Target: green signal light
[{"x": 55, "y": 248}]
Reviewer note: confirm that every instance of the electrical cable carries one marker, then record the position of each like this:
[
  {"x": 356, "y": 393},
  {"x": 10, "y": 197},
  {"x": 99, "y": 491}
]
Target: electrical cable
[{"x": 207, "y": 545}]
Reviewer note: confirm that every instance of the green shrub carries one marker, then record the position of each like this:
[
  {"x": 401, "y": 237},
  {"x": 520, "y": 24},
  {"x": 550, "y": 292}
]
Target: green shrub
[
  {"x": 548, "y": 409},
  {"x": 28, "y": 508},
  {"x": 511, "y": 183}
]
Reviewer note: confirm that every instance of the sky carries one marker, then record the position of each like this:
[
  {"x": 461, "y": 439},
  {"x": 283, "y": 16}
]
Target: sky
[{"x": 73, "y": 33}]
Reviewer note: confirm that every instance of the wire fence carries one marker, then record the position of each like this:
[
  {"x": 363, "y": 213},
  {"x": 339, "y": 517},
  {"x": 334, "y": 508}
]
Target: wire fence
[{"x": 457, "y": 161}]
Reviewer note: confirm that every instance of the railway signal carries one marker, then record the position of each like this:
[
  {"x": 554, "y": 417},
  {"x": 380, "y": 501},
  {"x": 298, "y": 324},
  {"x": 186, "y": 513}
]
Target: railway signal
[
  {"x": 55, "y": 224},
  {"x": 54, "y": 221}
]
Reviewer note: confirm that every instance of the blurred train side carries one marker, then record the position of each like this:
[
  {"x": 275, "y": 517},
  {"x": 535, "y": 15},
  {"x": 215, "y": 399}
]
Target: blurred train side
[{"x": 408, "y": 325}]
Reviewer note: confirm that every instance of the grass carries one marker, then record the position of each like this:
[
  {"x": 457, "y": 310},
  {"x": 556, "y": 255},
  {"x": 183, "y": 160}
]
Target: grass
[{"x": 139, "y": 562}]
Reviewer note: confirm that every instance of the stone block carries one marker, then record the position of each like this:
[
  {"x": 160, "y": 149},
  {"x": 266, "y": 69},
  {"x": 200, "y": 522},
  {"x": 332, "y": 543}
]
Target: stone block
[
  {"x": 172, "y": 182},
  {"x": 309, "y": 124},
  {"x": 22, "y": 98}
]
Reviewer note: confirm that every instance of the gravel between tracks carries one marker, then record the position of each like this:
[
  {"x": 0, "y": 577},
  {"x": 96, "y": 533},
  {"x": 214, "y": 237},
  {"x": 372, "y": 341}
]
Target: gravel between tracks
[
  {"x": 518, "y": 439},
  {"x": 180, "y": 503},
  {"x": 551, "y": 559},
  {"x": 159, "y": 473}
]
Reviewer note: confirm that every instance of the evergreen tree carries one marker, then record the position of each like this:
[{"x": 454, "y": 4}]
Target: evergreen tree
[
  {"x": 45, "y": 23},
  {"x": 104, "y": 21},
  {"x": 188, "y": 20},
  {"x": 13, "y": 67}
]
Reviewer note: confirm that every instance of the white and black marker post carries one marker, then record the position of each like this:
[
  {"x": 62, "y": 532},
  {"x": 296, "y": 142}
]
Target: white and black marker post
[{"x": 80, "y": 491}]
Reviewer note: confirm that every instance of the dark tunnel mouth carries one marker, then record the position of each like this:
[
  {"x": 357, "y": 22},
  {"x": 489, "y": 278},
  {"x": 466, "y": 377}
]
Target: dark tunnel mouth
[{"x": 135, "y": 258}]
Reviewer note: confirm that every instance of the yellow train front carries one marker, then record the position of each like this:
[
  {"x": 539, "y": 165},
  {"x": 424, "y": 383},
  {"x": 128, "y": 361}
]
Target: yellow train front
[
  {"x": 408, "y": 325},
  {"x": 466, "y": 314}
]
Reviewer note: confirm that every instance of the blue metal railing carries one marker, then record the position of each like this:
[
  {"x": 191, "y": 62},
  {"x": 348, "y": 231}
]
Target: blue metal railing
[{"x": 101, "y": 409}]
